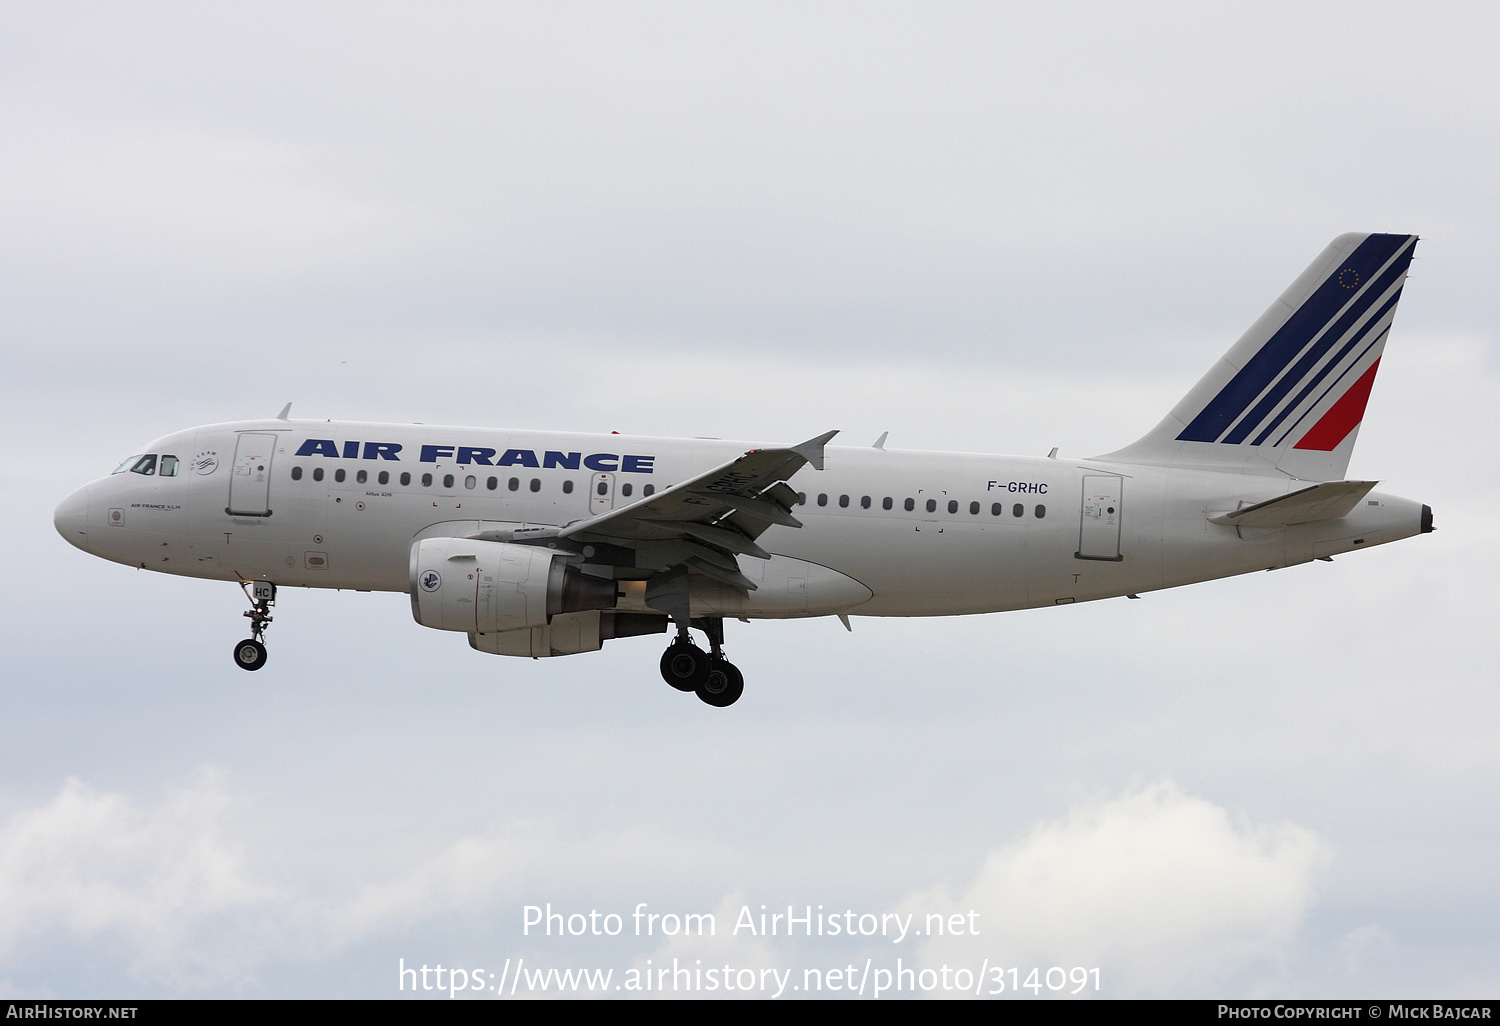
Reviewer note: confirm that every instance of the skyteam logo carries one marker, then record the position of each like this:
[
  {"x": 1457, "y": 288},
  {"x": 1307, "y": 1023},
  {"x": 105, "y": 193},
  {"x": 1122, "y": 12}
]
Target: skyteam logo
[
  {"x": 205, "y": 463},
  {"x": 431, "y": 581}
]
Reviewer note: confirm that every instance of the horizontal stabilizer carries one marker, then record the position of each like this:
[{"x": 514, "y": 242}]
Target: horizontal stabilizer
[{"x": 1327, "y": 501}]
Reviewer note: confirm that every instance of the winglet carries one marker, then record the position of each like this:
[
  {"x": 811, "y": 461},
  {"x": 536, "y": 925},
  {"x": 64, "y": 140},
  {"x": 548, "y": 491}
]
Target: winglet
[
  {"x": 285, "y": 413},
  {"x": 880, "y": 442},
  {"x": 812, "y": 449}
]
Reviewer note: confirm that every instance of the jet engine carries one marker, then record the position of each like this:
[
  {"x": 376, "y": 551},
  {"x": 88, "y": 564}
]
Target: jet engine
[{"x": 461, "y": 584}]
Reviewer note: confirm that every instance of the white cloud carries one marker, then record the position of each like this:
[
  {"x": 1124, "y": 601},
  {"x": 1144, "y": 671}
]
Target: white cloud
[
  {"x": 195, "y": 898},
  {"x": 92, "y": 865},
  {"x": 1161, "y": 890}
]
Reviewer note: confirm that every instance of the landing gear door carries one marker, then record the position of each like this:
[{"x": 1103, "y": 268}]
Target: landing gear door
[
  {"x": 601, "y": 494},
  {"x": 250, "y": 484},
  {"x": 1099, "y": 533}
]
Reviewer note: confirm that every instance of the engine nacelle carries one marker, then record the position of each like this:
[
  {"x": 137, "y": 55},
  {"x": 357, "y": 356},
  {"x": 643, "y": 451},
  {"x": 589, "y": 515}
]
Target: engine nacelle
[
  {"x": 569, "y": 634},
  {"x": 459, "y": 584}
]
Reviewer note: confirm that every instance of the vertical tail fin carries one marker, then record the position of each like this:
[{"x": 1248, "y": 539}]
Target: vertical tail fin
[{"x": 1289, "y": 396}]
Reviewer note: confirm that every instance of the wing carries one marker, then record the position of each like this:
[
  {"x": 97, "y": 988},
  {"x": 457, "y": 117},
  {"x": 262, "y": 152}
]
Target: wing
[{"x": 702, "y": 524}]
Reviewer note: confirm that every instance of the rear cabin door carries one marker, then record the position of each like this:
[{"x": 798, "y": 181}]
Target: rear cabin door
[
  {"x": 1099, "y": 532},
  {"x": 250, "y": 484}
]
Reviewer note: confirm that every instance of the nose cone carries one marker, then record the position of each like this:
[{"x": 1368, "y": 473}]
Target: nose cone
[{"x": 72, "y": 519}]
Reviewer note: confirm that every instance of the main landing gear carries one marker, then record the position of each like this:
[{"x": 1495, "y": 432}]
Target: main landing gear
[
  {"x": 687, "y": 667},
  {"x": 250, "y": 654}
]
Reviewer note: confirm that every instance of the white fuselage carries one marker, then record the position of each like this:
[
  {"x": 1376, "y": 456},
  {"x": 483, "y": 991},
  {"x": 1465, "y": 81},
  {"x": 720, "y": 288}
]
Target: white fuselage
[{"x": 983, "y": 533}]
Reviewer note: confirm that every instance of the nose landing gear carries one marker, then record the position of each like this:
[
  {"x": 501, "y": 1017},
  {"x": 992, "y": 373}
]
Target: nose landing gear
[
  {"x": 686, "y": 667},
  {"x": 250, "y": 654}
]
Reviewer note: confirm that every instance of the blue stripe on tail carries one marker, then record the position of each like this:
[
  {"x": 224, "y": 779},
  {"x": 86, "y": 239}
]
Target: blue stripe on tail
[{"x": 1326, "y": 302}]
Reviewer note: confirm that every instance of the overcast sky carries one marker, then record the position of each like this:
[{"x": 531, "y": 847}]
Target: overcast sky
[{"x": 978, "y": 227}]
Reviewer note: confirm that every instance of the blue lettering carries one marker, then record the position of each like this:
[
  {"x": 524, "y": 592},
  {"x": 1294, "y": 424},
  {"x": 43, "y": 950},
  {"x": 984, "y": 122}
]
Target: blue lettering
[
  {"x": 382, "y": 450},
  {"x": 637, "y": 464},
  {"x": 319, "y": 447},
  {"x": 561, "y": 460},
  {"x": 518, "y": 457},
  {"x": 602, "y": 461},
  {"x": 471, "y": 454},
  {"x": 351, "y": 450},
  {"x": 430, "y": 453}
]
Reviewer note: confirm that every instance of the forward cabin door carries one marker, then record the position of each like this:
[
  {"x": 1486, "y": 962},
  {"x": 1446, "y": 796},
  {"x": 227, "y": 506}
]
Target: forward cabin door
[
  {"x": 1099, "y": 531},
  {"x": 250, "y": 484}
]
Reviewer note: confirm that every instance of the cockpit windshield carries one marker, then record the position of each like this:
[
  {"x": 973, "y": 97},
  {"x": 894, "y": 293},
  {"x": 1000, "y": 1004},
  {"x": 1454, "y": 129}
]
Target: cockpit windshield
[{"x": 147, "y": 465}]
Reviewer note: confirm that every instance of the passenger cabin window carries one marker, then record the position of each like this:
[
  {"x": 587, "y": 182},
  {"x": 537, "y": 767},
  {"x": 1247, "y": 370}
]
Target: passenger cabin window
[
  {"x": 886, "y": 503},
  {"x": 911, "y": 504},
  {"x": 648, "y": 490},
  {"x": 1018, "y": 510},
  {"x": 973, "y": 507},
  {"x": 296, "y": 473},
  {"x": 996, "y": 510},
  {"x": 952, "y": 505},
  {"x": 513, "y": 483},
  {"x": 932, "y": 505},
  {"x": 625, "y": 489},
  {"x": 470, "y": 481},
  {"x": 317, "y": 473},
  {"x": 864, "y": 502},
  {"x": 447, "y": 480},
  {"x": 338, "y": 475},
  {"x": 822, "y": 498},
  {"x": 802, "y": 498},
  {"x": 405, "y": 478},
  {"x": 168, "y": 467},
  {"x": 362, "y": 477},
  {"x": 384, "y": 477},
  {"x": 426, "y": 480},
  {"x": 1041, "y": 511},
  {"x": 568, "y": 487},
  {"x": 844, "y": 501},
  {"x": 536, "y": 484},
  {"x": 492, "y": 483}
]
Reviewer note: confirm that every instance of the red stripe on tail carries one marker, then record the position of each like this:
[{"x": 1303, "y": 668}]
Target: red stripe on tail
[{"x": 1344, "y": 417}]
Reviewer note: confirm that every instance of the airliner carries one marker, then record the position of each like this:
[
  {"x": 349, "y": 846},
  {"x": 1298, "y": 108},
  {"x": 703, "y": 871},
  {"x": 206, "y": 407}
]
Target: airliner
[{"x": 543, "y": 544}]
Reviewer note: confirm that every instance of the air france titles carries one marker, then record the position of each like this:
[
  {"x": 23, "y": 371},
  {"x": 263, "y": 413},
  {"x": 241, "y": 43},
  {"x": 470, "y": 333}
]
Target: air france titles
[{"x": 483, "y": 456}]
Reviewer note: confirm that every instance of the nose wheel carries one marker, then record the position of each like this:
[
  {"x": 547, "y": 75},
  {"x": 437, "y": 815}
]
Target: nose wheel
[
  {"x": 685, "y": 666},
  {"x": 250, "y": 654}
]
